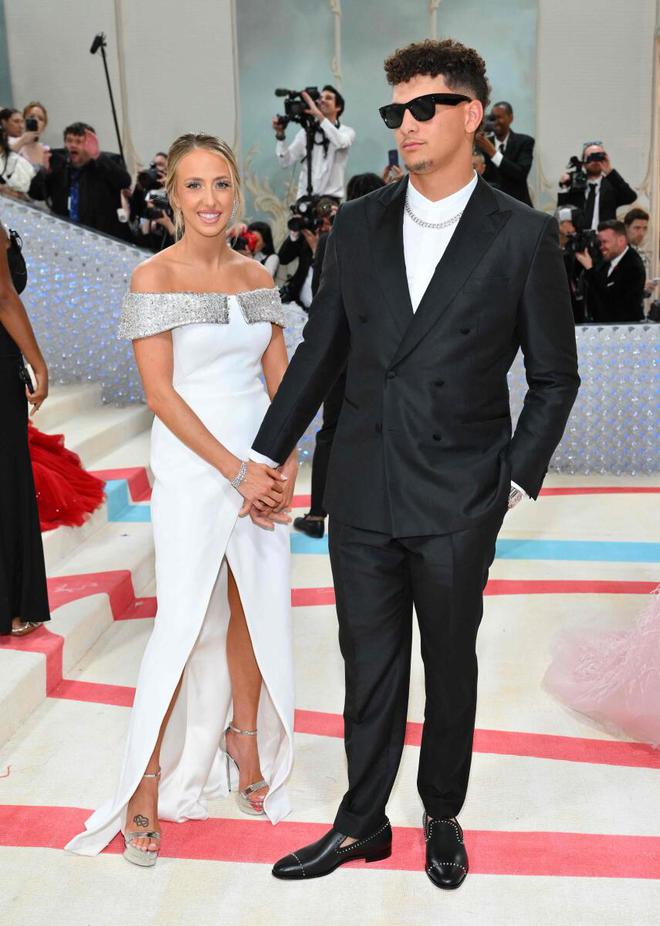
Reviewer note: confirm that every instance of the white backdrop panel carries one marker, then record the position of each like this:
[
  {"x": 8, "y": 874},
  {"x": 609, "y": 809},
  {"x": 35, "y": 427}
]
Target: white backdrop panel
[{"x": 594, "y": 82}]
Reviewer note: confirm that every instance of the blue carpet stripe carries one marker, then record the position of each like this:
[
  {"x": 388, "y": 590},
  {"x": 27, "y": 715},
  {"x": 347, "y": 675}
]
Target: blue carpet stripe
[
  {"x": 595, "y": 551},
  {"x": 121, "y": 508}
]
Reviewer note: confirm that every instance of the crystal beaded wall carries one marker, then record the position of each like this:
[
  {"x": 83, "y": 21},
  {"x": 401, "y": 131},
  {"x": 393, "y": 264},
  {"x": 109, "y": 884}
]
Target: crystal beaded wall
[
  {"x": 614, "y": 424},
  {"x": 78, "y": 279}
]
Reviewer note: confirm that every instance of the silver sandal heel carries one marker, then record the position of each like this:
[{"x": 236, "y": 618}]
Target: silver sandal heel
[
  {"x": 146, "y": 858},
  {"x": 246, "y": 803}
]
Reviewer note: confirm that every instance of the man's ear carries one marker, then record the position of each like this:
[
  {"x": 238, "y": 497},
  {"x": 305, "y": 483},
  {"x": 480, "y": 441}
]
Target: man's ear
[{"x": 474, "y": 115}]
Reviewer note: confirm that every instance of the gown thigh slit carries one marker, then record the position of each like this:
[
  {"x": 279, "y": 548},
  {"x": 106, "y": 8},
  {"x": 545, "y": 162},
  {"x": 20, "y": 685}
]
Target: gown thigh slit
[{"x": 198, "y": 537}]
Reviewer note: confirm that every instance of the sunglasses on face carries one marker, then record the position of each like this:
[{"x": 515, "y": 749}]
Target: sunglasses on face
[{"x": 422, "y": 108}]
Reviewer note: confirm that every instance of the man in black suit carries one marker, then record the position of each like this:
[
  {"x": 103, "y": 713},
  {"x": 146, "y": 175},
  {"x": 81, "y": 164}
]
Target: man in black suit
[
  {"x": 84, "y": 184},
  {"x": 509, "y": 156},
  {"x": 605, "y": 191},
  {"x": 615, "y": 286},
  {"x": 429, "y": 288}
]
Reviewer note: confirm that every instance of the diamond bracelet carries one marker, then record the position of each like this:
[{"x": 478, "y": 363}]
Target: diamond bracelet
[{"x": 240, "y": 476}]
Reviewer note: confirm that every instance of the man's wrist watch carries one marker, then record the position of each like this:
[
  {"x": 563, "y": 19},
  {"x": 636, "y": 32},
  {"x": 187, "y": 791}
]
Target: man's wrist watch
[{"x": 515, "y": 496}]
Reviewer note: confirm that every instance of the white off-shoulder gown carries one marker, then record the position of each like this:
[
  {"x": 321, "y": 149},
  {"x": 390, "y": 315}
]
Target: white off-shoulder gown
[{"x": 218, "y": 344}]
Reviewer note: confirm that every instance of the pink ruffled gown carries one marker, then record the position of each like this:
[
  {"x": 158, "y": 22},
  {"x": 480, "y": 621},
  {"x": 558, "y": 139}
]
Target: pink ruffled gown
[{"x": 613, "y": 677}]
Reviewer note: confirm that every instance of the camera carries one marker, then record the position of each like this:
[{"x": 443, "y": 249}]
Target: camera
[
  {"x": 156, "y": 204},
  {"x": 295, "y": 106},
  {"x": 31, "y": 124},
  {"x": 150, "y": 179},
  {"x": 577, "y": 182},
  {"x": 584, "y": 239},
  {"x": 304, "y": 214},
  {"x": 310, "y": 212}
]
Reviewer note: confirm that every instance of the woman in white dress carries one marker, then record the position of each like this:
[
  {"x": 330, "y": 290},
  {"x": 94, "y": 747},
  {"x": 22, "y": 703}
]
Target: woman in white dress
[{"x": 214, "y": 704}]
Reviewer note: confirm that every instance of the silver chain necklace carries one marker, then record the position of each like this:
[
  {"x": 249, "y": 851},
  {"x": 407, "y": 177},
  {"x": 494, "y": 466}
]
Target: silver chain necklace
[{"x": 418, "y": 221}]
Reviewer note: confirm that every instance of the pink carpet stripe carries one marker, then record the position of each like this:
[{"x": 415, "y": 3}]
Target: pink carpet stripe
[
  {"x": 601, "y": 490},
  {"x": 492, "y": 852},
  {"x": 511, "y": 743},
  {"x": 139, "y": 487},
  {"x": 492, "y": 742},
  {"x": 310, "y": 597},
  {"x": 304, "y": 501},
  {"x": 94, "y": 692}
]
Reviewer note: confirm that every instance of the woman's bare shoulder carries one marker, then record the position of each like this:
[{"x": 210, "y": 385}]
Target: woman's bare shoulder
[
  {"x": 254, "y": 274},
  {"x": 153, "y": 275}
]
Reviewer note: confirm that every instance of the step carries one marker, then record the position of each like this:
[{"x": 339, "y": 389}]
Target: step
[
  {"x": 127, "y": 463},
  {"x": 95, "y": 434},
  {"x": 65, "y": 403},
  {"x": 31, "y": 666}
]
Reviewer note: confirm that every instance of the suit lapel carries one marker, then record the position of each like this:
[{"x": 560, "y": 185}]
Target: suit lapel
[
  {"x": 387, "y": 237},
  {"x": 479, "y": 226}
]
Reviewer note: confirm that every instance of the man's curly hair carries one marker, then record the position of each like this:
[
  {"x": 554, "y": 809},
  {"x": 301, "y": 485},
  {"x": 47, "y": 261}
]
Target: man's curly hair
[{"x": 462, "y": 68}]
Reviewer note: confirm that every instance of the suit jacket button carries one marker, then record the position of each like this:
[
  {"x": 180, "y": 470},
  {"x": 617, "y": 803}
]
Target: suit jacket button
[
  {"x": 465, "y": 330},
  {"x": 437, "y": 437},
  {"x": 439, "y": 382},
  {"x": 362, "y": 318},
  {"x": 391, "y": 374}
]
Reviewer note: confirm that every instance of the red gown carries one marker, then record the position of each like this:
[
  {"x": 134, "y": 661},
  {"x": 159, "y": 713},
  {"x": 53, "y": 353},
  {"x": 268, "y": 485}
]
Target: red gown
[{"x": 66, "y": 493}]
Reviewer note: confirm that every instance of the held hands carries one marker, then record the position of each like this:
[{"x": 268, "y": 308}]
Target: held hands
[
  {"x": 278, "y": 515},
  {"x": 261, "y": 488}
]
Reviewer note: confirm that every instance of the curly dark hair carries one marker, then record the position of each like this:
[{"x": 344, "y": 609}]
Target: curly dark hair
[{"x": 461, "y": 67}]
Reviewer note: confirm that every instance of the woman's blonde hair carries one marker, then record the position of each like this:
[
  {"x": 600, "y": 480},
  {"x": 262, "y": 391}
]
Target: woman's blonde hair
[
  {"x": 32, "y": 106},
  {"x": 183, "y": 145}
]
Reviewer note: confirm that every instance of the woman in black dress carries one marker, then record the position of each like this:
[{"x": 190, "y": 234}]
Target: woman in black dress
[{"x": 23, "y": 594}]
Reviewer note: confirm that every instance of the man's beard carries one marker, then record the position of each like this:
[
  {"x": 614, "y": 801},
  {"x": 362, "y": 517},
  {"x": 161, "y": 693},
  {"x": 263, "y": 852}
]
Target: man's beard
[{"x": 420, "y": 167}]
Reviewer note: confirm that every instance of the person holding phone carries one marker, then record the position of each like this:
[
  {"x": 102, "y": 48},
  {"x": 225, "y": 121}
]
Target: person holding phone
[
  {"x": 23, "y": 594},
  {"x": 36, "y": 120}
]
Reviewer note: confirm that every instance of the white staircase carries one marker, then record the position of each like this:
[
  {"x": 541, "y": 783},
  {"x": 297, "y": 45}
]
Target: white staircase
[{"x": 105, "y": 438}]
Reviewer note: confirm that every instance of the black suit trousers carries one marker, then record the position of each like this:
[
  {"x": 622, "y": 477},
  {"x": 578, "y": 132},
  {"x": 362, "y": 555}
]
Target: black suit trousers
[{"x": 378, "y": 579}]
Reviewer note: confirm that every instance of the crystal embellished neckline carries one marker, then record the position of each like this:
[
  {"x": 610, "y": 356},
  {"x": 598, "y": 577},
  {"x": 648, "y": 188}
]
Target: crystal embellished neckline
[{"x": 424, "y": 224}]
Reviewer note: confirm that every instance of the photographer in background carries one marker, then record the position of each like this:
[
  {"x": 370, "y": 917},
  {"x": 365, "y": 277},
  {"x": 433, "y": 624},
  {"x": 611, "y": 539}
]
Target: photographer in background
[
  {"x": 311, "y": 217},
  {"x": 150, "y": 215},
  {"x": 330, "y": 147},
  {"x": 593, "y": 186},
  {"x": 615, "y": 284},
  {"x": 509, "y": 155},
  {"x": 573, "y": 239},
  {"x": 84, "y": 184}
]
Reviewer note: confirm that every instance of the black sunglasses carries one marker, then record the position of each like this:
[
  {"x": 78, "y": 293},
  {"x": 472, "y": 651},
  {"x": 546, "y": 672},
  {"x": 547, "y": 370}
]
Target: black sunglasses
[{"x": 422, "y": 108}]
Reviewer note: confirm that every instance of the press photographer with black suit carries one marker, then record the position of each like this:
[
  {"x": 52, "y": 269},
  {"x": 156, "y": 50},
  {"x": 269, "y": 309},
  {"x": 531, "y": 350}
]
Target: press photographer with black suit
[
  {"x": 429, "y": 288},
  {"x": 615, "y": 286},
  {"x": 509, "y": 156},
  {"x": 603, "y": 193}
]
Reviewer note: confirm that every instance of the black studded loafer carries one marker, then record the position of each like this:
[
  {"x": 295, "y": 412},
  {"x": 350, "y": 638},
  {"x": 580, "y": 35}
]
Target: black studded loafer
[
  {"x": 313, "y": 527},
  {"x": 446, "y": 856},
  {"x": 322, "y": 857}
]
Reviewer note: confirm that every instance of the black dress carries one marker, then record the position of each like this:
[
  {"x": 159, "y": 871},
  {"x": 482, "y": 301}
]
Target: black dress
[{"x": 23, "y": 590}]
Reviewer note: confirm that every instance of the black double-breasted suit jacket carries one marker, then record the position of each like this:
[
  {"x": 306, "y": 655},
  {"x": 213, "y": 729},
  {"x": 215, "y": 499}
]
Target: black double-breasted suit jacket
[{"x": 424, "y": 444}]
